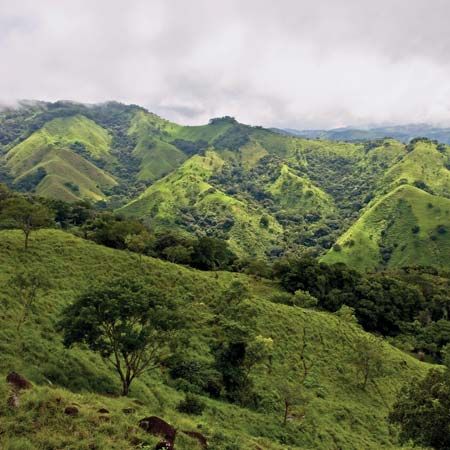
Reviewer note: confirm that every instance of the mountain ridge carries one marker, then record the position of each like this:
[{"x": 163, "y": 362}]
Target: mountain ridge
[{"x": 279, "y": 194}]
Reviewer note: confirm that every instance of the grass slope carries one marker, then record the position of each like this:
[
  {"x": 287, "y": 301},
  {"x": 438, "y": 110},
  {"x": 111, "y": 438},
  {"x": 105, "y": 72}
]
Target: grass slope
[
  {"x": 338, "y": 414},
  {"x": 49, "y": 149},
  {"x": 299, "y": 195},
  {"x": 154, "y": 137},
  {"x": 424, "y": 164},
  {"x": 157, "y": 157},
  {"x": 411, "y": 224},
  {"x": 188, "y": 187}
]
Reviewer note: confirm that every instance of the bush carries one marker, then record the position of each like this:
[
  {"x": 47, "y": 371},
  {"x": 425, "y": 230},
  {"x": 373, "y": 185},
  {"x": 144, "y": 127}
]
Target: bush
[
  {"x": 191, "y": 405},
  {"x": 283, "y": 298},
  {"x": 304, "y": 299},
  {"x": 415, "y": 229},
  {"x": 441, "y": 229}
]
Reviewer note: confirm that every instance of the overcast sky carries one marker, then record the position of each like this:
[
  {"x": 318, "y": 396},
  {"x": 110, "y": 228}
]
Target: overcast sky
[{"x": 288, "y": 63}]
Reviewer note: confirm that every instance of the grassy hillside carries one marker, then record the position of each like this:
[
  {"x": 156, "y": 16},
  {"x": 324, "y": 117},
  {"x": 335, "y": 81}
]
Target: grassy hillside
[
  {"x": 406, "y": 227},
  {"x": 299, "y": 195},
  {"x": 425, "y": 166},
  {"x": 187, "y": 188},
  {"x": 157, "y": 158},
  {"x": 265, "y": 193},
  {"x": 52, "y": 161},
  {"x": 335, "y": 411}
]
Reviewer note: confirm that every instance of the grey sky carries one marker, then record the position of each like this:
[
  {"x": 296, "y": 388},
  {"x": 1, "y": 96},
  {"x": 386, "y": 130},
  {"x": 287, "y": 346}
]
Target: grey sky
[{"x": 292, "y": 63}]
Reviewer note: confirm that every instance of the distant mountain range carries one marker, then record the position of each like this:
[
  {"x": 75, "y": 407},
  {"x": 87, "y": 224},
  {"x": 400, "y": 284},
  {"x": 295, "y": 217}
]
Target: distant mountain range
[
  {"x": 403, "y": 133},
  {"x": 373, "y": 205}
]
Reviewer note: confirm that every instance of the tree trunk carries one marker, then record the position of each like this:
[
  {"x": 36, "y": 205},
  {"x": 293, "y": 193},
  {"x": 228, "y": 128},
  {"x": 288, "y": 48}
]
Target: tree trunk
[
  {"x": 27, "y": 235},
  {"x": 125, "y": 387},
  {"x": 286, "y": 412},
  {"x": 366, "y": 378}
]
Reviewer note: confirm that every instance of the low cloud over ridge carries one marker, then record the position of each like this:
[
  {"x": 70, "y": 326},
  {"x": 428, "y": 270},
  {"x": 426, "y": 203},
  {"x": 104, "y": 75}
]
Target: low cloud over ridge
[{"x": 289, "y": 63}]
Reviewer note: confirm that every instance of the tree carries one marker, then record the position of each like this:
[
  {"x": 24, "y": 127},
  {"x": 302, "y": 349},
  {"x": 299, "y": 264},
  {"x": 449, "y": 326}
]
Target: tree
[
  {"x": 129, "y": 324},
  {"x": 5, "y": 193},
  {"x": 27, "y": 285},
  {"x": 258, "y": 350},
  {"x": 138, "y": 243},
  {"x": 291, "y": 395},
  {"x": 212, "y": 254},
  {"x": 367, "y": 358},
  {"x": 236, "y": 349},
  {"x": 178, "y": 254},
  {"x": 292, "y": 391},
  {"x": 422, "y": 411},
  {"x": 112, "y": 230},
  {"x": 20, "y": 213}
]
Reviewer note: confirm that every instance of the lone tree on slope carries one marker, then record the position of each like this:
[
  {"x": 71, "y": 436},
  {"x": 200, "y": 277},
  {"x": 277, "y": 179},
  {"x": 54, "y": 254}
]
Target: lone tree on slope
[
  {"x": 20, "y": 213},
  {"x": 129, "y": 324}
]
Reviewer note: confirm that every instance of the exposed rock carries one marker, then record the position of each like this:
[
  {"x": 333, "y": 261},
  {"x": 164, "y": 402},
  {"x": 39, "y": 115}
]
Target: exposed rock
[
  {"x": 199, "y": 436},
  {"x": 18, "y": 381},
  {"x": 128, "y": 410},
  {"x": 164, "y": 445},
  {"x": 71, "y": 411},
  {"x": 159, "y": 427}
]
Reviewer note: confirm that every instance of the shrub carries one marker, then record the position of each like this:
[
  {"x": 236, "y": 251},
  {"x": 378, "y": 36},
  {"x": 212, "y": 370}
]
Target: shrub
[
  {"x": 283, "y": 298},
  {"x": 304, "y": 299},
  {"x": 441, "y": 229},
  {"x": 191, "y": 405},
  {"x": 415, "y": 229}
]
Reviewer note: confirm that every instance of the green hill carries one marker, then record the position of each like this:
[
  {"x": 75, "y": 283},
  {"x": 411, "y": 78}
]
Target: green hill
[
  {"x": 425, "y": 166},
  {"x": 265, "y": 193},
  {"x": 406, "y": 227},
  {"x": 49, "y": 161},
  {"x": 334, "y": 413},
  {"x": 157, "y": 158},
  {"x": 299, "y": 195},
  {"x": 186, "y": 191}
]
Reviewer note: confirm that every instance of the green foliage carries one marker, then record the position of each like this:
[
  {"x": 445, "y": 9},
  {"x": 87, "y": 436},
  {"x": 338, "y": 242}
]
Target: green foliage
[
  {"x": 422, "y": 410},
  {"x": 332, "y": 397},
  {"x": 116, "y": 232},
  {"x": 21, "y": 213},
  {"x": 212, "y": 254},
  {"x": 191, "y": 404},
  {"x": 233, "y": 139},
  {"x": 381, "y": 303},
  {"x": 367, "y": 358},
  {"x": 26, "y": 287},
  {"x": 264, "y": 193},
  {"x": 126, "y": 323}
]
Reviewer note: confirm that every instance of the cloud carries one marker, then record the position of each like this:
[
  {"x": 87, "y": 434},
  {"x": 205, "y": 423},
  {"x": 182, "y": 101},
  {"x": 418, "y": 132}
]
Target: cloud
[{"x": 291, "y": 63}]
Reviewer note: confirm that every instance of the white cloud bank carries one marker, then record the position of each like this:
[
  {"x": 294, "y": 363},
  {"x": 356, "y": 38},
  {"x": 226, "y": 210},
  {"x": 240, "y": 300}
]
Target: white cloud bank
[{"x": 291, "y": 63}]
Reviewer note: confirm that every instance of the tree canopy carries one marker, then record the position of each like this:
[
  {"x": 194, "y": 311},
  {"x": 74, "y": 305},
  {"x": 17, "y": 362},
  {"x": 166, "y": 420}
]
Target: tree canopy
[{"x": 129, "y": 324}]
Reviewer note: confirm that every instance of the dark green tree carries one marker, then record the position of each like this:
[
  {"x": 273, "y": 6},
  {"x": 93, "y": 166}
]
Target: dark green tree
[
  {"x": 212, "y": 254},
  {"x": 130, "y": 325},
  {"x": 422, "y": 411},
  {"x": 20, "y": 213},
  {"x": 237, "y": 349}
]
